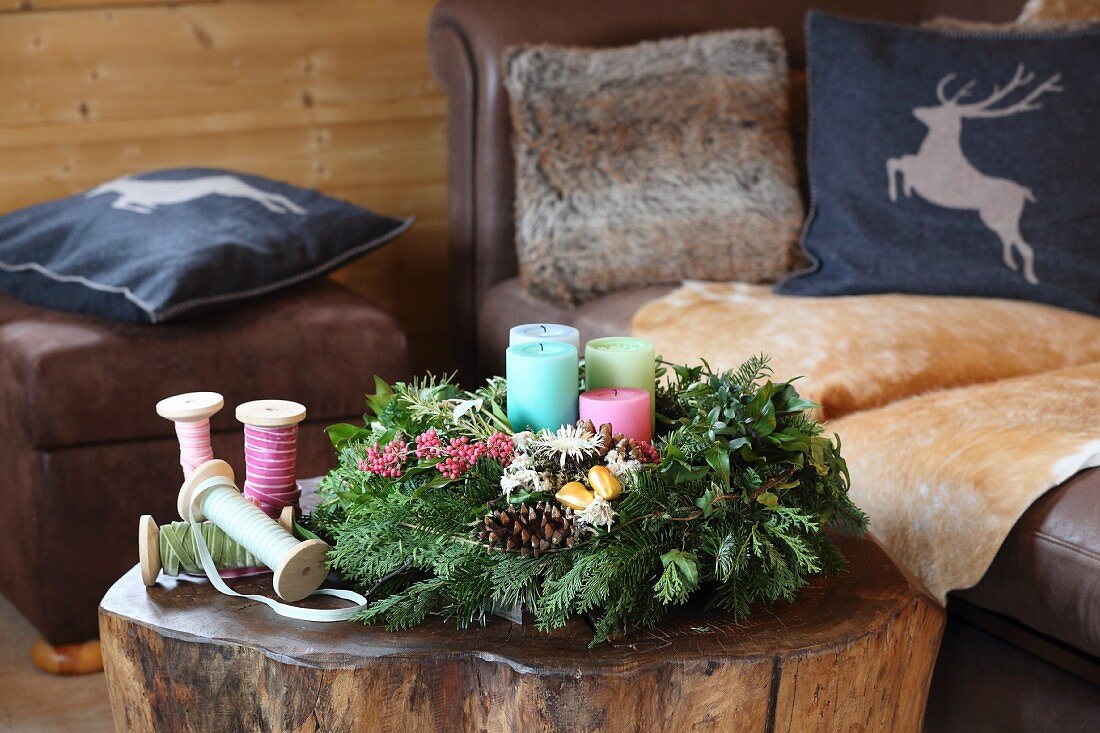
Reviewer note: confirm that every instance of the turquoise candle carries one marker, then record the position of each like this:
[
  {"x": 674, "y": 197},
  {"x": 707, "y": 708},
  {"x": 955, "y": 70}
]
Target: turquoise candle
[
  {"x": 621, "y": 361},
  {"x": 542, "y": 385}
]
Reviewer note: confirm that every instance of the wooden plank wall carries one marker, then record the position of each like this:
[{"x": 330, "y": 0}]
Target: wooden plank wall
[{"x": 332, "y": 94}]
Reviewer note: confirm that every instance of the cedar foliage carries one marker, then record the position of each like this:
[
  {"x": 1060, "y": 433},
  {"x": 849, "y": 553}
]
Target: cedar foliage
[{"x": 735, "y": 510}]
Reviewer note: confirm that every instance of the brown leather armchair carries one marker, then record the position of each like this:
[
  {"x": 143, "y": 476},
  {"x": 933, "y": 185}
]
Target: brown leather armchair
[{"x": 1022, "y": 647}]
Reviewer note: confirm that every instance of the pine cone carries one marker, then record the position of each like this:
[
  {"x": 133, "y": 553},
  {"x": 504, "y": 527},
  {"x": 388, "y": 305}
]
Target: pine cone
[
  {"x": 528, "y": 529},
  {"x": 628, "y": 448},
  {"x": 607, "y": 442}
]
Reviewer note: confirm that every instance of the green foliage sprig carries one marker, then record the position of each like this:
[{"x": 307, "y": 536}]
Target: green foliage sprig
[{"x": 735, "y": 509}]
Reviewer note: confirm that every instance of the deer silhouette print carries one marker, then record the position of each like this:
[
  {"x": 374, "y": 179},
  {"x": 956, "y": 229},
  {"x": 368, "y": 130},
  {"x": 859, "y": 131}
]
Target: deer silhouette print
[
  {"x": 942, "y": 175},
  {"x": 143, "y": 197}
]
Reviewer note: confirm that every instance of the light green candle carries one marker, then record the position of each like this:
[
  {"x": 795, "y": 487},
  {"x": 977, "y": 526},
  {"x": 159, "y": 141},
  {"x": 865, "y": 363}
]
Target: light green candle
[
  {"x": 621, "y": 361},
  {"x": 542, "y": 385}
]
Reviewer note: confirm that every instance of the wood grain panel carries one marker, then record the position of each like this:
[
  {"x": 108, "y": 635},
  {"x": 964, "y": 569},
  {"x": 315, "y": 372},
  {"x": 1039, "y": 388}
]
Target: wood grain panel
[
  {"x": 331, "y": 94},
  {"x": 386, "y": 144},
  {"x": 40, "y": 5},
  {"x": 151, "y": 61}
]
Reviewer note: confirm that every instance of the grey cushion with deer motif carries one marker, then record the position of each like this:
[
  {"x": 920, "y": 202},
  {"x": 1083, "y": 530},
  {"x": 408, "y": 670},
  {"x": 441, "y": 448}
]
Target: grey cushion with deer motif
[
  {"x": 166, "y": 244},
  {"x": 953, "y": 162}
]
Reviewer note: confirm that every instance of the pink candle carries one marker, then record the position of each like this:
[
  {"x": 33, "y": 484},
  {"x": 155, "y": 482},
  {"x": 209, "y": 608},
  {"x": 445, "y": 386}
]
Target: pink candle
[{"x": 626, "y": 408}]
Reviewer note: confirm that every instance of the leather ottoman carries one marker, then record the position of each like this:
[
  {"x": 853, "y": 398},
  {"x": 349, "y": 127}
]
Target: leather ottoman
[{"x": 84, "y": 454}]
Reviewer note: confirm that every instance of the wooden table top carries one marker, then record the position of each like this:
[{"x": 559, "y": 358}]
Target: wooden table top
[{"x": 829, "y": 611}]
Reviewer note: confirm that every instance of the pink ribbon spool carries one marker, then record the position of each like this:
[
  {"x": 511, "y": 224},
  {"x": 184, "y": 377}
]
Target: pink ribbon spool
[
  {"x": 271, "y": 453},
  {"x": 191, "y": 413}
]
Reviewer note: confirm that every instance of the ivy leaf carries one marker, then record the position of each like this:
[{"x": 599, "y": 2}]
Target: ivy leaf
[
  {"x": 706, "y": 501},
  {"x": 343, "y": 433},
  {"x": 718, "y": 458},
  {"x": 436, "y": 482},
  {"x": 383, "y": 393},
  {"x": 791, "y": 439},
  {"x": 820, "y": 446},
  {"x": 765, "y": 421},
  {"x": 788, "y": 401},
  {"x": 687, "y": 566},
  {"x": 761, "y": 411},
  {"x": 518, "y": 497},
  {"x": 768, "y": 499},
  {"x": 676, "y": 466},
  {"x": 739, "y": 443}
]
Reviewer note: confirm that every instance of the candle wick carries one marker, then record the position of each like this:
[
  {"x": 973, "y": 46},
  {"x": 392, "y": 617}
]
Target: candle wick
[
  {"x": 541, "y": 347},
  {"x": 614, "y": 393},
  {"x": 543, "y": 327}
]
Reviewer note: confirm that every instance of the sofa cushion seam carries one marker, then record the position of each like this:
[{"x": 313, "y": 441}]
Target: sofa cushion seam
[{"x": 1065, "y": 544}]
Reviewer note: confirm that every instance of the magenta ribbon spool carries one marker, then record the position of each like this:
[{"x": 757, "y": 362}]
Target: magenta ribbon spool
[
  {"x": 271, "y": 463},
  {"x": 271, "y": 453}
]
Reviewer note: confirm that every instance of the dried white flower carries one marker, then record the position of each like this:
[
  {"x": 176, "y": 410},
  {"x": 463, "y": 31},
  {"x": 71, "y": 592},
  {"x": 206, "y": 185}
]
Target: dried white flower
[
  {"x": 521, "y": 474},
  {"x": 513, "y": 480},
  {"x": 521, "y": 460},
  {"x": 619, "y": 466},
  {"x": 522, "y": 439},
  {"x": 569, "y": 442},
  {"x": 598, "y": 514}
]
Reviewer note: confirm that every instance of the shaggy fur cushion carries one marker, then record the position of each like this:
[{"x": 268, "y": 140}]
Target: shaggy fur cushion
[{"x": 653, "y": 163}]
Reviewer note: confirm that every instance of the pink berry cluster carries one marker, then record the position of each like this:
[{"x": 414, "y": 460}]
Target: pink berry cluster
[
  {"x": 461, "y": 456},
  {"x": 501, "y": 447},
  {"x": 646, "y": 452},
  {"x": 455, "y": 457},
  {"x": 428, "y": 445},
  {"x": 388, "y": 461}
]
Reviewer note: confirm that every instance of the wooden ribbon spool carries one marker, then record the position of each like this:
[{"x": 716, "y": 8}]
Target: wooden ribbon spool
[
  {"x": 271, "y": 453},
  {"x": 190, "y": 407},
  {"x": 271, "y": 413},
  {"x": 149, "y": 544},
  {"x": 185, "y": 409},
  {"x": 298, "y": 572}
]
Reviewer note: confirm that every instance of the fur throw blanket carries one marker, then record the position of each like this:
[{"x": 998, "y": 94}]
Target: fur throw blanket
[
  {"x": 945, "y": 476},
  {"x": 960, "y": 411},
  {"x": 855, "y": 352}
]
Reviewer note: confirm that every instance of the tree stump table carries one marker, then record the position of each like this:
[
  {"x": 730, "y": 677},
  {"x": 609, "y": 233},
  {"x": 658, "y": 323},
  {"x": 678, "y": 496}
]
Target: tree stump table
[{"x": 855, "y": 652}]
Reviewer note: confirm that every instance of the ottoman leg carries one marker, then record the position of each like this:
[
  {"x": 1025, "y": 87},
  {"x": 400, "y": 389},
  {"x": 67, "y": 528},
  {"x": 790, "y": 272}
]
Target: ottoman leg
[{"x": 68, "y": 658}]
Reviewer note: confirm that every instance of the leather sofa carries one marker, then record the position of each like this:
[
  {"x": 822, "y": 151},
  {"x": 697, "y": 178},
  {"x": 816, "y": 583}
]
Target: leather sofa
[
  {"x": 84, "y": 454},
  {"x": 1022, "y": 649}
]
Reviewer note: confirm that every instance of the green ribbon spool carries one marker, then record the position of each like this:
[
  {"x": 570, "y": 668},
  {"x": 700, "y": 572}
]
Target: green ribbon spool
[{"x": 178, "y": 551}]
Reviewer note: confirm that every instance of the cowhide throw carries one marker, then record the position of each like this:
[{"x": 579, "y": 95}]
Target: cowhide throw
[
  {"x": 945, "y": 476},
  {"x": 864, "y": 351},
  {"x": 1038, "y": 11},
  {"x": 653, "y": 163},
  {"x": 987, "y": 403}
]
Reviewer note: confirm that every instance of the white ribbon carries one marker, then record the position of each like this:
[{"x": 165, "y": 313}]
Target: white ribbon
[{"x": 320, "y": 615}]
